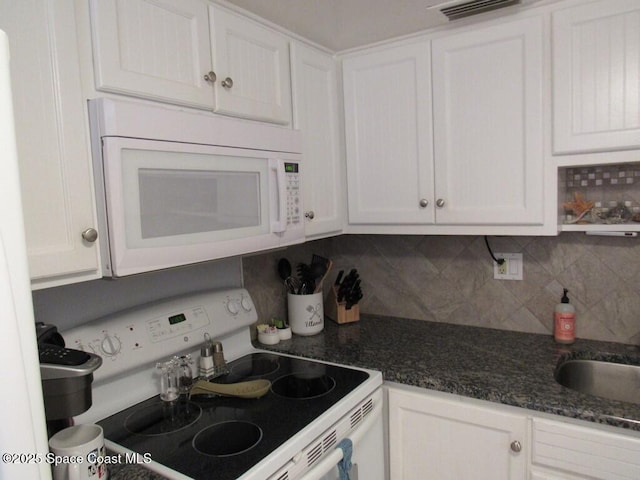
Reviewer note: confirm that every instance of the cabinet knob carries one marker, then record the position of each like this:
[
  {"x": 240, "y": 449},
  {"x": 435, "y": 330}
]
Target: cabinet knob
[
  {"x": 210, "y": 77},
  {"x": 227, "y": 83},
  {"x": 90, "y": 235},
  {"x": 310, "y": 215},
  {"x": 424, "y": 202},
  {"x": 516, "y": 446},
  {"x": 440, "y": 203}
]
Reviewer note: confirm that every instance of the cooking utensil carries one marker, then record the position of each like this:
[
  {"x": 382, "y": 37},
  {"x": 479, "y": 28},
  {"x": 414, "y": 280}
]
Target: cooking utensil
[
  {"x": 285, "y": 271},
  {"x": 308, "y": 283},
  {"x": 293, "y": 285},
  {"x": 320, "y": 268},
  {"x": 284, "y": 268},
  {"x": 249, "y": 389},
  {"x": 321, "y": 281}
]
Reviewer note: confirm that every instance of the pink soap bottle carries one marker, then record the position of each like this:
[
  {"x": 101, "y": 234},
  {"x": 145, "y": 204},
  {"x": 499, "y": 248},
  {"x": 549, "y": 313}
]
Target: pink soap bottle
[{"x": 564, "y": 316}]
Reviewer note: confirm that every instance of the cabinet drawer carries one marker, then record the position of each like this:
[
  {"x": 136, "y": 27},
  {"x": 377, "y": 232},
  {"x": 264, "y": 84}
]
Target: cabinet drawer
[{"x": 586, "y": 451}]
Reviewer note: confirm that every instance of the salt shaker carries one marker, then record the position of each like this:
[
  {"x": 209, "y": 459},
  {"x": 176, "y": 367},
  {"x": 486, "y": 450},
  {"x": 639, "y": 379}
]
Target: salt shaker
[{"x": 206, "y": 365}]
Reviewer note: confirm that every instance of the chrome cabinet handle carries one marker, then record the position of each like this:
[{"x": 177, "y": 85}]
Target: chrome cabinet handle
[
  {"x": 210, "y": 77},
  {"x": 440, "y": 203},
  {"x": 424, "y": 202},
  {"x": 516, "y": 446},
  {"x": 310, "y": 215},
  {"x": 227, "y": 83},
  {"x": 90, "y": 235}
]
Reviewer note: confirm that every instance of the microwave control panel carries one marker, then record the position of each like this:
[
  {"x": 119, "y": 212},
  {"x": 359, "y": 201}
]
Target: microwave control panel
[{"x": 294, "y": 204}]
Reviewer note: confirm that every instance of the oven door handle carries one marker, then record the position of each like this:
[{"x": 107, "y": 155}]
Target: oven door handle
[{"x": 327, "y": 463}]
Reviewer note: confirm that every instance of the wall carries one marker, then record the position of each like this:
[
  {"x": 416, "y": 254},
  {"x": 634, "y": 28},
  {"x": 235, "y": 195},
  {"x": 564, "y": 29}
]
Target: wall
[{"x": 450, "y": 279}]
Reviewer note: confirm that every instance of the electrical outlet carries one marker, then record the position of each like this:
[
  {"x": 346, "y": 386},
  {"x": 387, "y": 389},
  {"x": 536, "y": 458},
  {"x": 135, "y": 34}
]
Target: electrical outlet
[
  {"x": 511, "y": 268},
  {"x": 503, "y": 267}
]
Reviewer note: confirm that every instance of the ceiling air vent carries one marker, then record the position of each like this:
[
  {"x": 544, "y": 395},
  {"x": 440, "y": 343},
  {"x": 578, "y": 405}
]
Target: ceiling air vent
[{"x": 457, "y": 10}]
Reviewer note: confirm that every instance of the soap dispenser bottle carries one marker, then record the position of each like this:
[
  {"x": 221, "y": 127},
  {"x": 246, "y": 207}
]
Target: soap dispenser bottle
[{"x": 564, "y": 321}]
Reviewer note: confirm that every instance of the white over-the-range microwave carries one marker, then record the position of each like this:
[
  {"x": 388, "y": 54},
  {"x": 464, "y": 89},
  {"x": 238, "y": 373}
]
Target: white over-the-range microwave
[{"x": 176, "y": 187}]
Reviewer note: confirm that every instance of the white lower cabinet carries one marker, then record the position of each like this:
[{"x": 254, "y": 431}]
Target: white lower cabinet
[
  {"x": 439, "y": 436},
  {"x": 434, "y": 436},
  {"x": 566, "y": 451},
  {"x": 536, "y": 475}
]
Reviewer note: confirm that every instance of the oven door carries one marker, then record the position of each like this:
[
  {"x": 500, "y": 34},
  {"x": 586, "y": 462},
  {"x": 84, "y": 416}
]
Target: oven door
[
  {"x": 367, "y": 459},
  {"x": 168, "y": 204}
]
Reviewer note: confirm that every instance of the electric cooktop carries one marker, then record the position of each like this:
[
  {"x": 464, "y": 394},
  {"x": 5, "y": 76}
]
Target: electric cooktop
[{"x": 223, "y": 437}]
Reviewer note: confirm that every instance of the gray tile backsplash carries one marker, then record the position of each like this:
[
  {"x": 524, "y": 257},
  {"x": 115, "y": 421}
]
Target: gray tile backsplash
[{"x": 450, "y": 279}]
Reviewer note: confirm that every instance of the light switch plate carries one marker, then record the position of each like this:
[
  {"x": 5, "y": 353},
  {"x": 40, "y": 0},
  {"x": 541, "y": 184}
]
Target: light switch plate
[{"x": 511, "y": 269}]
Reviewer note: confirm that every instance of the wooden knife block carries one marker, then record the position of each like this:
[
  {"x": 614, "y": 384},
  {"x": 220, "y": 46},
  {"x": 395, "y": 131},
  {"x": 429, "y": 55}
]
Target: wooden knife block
[{"x": 337, "y": 311}]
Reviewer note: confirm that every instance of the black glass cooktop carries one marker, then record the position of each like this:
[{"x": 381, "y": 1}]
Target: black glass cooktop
[{"x": 222, "y": 437}]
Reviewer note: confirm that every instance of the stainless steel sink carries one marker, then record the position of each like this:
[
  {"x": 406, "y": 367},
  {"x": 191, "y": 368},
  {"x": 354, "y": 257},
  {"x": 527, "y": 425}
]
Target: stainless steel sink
[{"x": 615, "y": 381}]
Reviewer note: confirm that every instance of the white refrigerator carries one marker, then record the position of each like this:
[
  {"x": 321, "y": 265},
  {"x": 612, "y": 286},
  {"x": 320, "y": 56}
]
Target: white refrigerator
[{"x": 23, "y": 436}]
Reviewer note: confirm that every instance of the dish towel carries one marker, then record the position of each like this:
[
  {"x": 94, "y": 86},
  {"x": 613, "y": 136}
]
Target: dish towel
[{"x": 344, "y": 465}]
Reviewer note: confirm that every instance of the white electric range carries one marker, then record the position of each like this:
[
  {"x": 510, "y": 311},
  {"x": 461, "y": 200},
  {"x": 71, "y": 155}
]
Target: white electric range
[{"x": 316, "y": 418}]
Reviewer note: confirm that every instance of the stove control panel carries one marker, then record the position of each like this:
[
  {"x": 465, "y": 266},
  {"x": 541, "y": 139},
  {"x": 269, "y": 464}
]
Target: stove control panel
[{"x": 142, "y": 336}]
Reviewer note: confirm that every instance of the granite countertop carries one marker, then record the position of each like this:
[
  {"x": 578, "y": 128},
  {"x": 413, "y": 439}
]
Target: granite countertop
[{"x": 505, "y": 367}]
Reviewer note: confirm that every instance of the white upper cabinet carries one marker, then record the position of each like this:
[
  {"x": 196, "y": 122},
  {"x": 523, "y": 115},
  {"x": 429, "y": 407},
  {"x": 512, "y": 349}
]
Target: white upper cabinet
[
  {"x": 387, "y": 102},
  {"x": 252, "y": 65},
  {"x": 316, "y": 115},
  {"x": 488, "y": 124},
  {"x": 191, "y": 53},
  {"x": 596, "y": 73},
  {"x": 52, "y": 137},
  {"x": 446, "y": 136},
  {"x": 155, "y": 49}
]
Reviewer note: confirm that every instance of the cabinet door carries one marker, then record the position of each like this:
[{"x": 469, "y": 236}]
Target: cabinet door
[
  {"x": 487, "y": 100},
  {"x": 252, "y": 64},
  {"x": 437, "y": 438},
  {"x": 544, "y": 475},
  {"x": 158, "y": 49},
  {"x": 585, "y": 451},
  {"x": 387, "y": 102},
  {"x": 315, "y": 114},
  {"x": 53, "y": 146},
  {"x": 596, "y": 77}
]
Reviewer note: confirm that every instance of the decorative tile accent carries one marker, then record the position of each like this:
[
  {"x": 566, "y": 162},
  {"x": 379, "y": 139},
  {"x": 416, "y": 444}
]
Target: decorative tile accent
[
  {"x": 450, "y": 279},
  {"x": 609, "y": 186}
]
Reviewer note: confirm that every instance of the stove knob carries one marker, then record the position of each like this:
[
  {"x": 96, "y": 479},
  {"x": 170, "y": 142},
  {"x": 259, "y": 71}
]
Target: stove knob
[
  {"x": 232, "y": 307},
  {"x": 111, "y": 346},
  {"x": 246, "y": 304}
]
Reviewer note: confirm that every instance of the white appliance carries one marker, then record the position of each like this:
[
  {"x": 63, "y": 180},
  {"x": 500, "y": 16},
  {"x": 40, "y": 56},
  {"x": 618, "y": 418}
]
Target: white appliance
[
  {"x": 296, "y": 431},
  {"x": 22, "y": 407},
  {"x": 176, "y": 187}
]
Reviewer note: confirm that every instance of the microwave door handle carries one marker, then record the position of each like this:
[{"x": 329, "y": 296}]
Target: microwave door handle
[
  {"x": 325, "y": 465},
  {"x": 279, "y": 225}
]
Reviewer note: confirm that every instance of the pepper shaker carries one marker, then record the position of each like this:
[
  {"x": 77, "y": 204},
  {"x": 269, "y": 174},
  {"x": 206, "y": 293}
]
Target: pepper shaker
[{"x": 206, "y": 364}]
